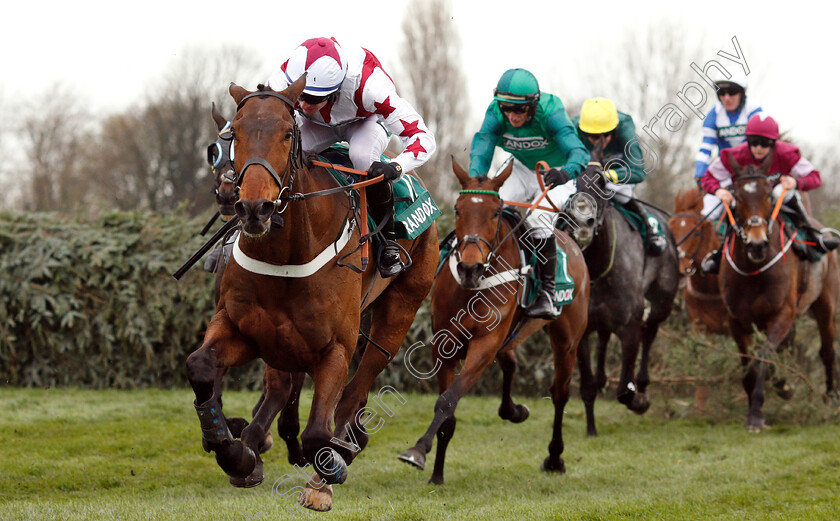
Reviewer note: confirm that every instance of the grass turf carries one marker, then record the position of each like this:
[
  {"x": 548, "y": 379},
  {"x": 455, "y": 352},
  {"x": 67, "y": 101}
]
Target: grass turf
[{"x": 69, "y": 454}]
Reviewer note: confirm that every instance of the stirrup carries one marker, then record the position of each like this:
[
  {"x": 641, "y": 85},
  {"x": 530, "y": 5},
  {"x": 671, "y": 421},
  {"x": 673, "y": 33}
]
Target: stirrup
[
  {"x": 538, "y": 309},
  {"x": 387, "y": 270},
  {"x": 711, "y": 262}
]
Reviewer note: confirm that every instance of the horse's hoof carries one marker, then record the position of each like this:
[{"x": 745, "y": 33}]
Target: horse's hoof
[
  {"x": 592, "y": 432},
  {"x": 236, "y": 425},
  {"x": 266, "y": 444},
  {"x": 252, "y": 480},
  {"x": 237, "y": 460},
  {"x": 784, "y": 390},
  {"x": 436, "y": 480},
  {"x": 640, "y": 403},
  {"x": 413, "y": 457},
  {"x": 553, "y": 466},
  {"x": 319, "y": 499},
  {"x": 522, "y": 413},
  {"x": 756, "y": 425}
]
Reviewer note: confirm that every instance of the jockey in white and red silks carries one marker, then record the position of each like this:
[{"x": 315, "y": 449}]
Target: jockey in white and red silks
[{"x": 349, "y": 97}]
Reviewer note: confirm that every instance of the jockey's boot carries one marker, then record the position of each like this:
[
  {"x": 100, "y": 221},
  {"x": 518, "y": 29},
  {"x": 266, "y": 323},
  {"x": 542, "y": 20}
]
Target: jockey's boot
[
  {"x": 381, "y": 203},
  {"x": 656, "y": 244},
  {"x": 543, "y": 306},
  {"x": 801, "y": 220},
  {"x": 711, "y": 262}
]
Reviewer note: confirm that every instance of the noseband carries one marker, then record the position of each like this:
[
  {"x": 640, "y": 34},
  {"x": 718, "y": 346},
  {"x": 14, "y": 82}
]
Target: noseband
[
  {"x": 697, "y": 229},
  {"x": 478, "y": 239}
]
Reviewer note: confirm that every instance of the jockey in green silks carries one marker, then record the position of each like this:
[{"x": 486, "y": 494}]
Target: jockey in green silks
[
  {"x": 622, "y": 158},
  {"x": 533, "y": 126}
]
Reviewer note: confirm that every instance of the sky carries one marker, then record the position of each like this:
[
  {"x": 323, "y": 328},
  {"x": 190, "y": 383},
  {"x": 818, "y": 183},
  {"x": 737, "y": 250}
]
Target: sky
[{"x": 111, "y": 52}]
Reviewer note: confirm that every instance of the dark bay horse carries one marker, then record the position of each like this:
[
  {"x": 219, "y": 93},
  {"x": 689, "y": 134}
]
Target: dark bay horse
[
  {"x": 696, "y": 237},
  {"x": 623, "y": 278},
  {"x": 475, "y": 323},
  {"x": 765, "y": 287},
  {"x": 285, "y": 299}
]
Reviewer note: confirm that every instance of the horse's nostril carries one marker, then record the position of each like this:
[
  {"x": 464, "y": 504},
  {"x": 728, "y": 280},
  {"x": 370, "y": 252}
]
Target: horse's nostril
[
  {"x": 241, "y": 210},
  {"x": 590, "y": 222},
  {"x": 264, "y": 210}
]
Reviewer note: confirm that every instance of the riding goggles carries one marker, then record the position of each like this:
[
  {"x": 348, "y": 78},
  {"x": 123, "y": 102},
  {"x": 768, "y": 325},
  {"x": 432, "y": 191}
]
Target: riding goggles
[
  {"x": 761, "y": 141},
  {"x": 516, "y": 108},
  {"x": 312, "y": 100},
  {"x": 732, "y": 90}
]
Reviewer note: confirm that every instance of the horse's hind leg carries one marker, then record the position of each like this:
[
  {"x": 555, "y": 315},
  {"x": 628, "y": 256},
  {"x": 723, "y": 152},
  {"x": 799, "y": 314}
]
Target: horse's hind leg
[
  {"x": 627, "y": 391},
  {"x": 563, "y": 346},
  {"x": 223, "y": 347},
  {"x": 288, "y": 426},
  {"x": 588, "y": 387},
  {"x": 276, "y": 390},
  {"x": 823, "y": 310},
  {"x": 508, "y": 410}
]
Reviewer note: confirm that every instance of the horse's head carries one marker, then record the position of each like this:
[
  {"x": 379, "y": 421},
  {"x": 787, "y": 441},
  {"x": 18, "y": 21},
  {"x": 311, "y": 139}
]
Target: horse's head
[
  {"x": 266, "y": 145},
  {"x": 587, "y": 207},
  {"x": 753, "y": 206},
  {"x": 220, "y": 157},
  {"x": 477, "y": 214},
  {"x": 687, "y": 227}
]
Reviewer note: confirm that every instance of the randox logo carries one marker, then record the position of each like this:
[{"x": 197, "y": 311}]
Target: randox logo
[
  {"x": 418, "y": 217},
  {"x": 562, "y": 295},
  {"x": 734, "y": 130},
  {"x": 525, "y": 143}
]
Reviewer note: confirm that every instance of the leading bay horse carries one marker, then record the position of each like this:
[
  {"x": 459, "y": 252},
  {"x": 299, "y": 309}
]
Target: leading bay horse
[
  {"x": 285, "y": 299},
  {"x": 696, "y": 237},
  {"x": 764, "y": 285},
  {"x": 477, "y": 323},
  {"x": 623, "y": 278}
]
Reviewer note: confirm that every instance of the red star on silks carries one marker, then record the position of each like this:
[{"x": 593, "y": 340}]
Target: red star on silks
[
  {"x": 318, "y": 47},
  {"x": 385, "y": 107},
  {"x": 410, "y": 128},
  {"x": 415, "y": 147}
]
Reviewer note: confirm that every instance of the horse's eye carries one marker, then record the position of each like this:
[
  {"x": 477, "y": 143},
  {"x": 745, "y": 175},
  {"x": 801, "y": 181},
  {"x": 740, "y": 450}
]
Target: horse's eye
[
  {"x": 497, "y": 213},
  {"x": 289, "y": 135},
  {"x": 456, "y": 211}
]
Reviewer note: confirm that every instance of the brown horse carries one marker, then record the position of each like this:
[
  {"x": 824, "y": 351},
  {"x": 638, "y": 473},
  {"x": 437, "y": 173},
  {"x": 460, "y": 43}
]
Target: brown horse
[
  {"x": 696, "y": 237},
  {"x": 285, "y": 299},
  {"x": 477, "y": 325},
  {"x": 765, "y": 287}
]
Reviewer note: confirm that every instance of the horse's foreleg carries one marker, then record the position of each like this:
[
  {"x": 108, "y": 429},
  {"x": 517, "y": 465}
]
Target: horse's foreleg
[
  {"x": 588, "y": 387},
  {"x": 447, "y": 428},
  {"x": 508, "y": 410},
  {"x": 223, "y": 347},
  {"x": 480, "y": 354},
  {"x": 627, "y": 392},
  {"x": 328, "y": 377},
  {"x": 753, "y": 375},
  {"x": 601, "y": 356}
]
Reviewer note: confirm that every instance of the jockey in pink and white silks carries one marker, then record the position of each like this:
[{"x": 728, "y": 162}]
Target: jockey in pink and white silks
[
  {"x": 723, "y": 128},
  {"x": 349, "y": 97}
]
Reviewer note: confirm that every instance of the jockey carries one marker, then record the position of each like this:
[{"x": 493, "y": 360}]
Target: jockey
[
  {"x": 624, "y": 166},
  {"x": 349, "y": 97},
  {"x": 724, "y": 128},
  {"x": 532, "y": 126},
  {"x": 797, "y": 174}
]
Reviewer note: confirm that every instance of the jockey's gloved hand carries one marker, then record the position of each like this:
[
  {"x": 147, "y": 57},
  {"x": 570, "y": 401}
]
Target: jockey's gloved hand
[
  {"x": 391, "y": 171},
  {"x": 556, "y": 177}
]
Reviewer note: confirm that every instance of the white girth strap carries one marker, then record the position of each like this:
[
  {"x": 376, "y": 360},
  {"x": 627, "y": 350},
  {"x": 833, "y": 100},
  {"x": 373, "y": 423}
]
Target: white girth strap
[
  {"x": 485, "y": 282},
  {"x": 293, "y": 270}
]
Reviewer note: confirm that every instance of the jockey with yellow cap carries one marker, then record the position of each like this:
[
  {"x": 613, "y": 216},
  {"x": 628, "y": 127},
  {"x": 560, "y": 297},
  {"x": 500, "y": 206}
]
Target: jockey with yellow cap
[{"x": 622, "y": 159}]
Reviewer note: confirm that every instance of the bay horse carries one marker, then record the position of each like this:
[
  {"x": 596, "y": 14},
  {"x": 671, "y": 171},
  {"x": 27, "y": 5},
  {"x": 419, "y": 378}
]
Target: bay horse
[
  {"x": 478, "y": 325},
  {"x": 765, "y": 287},
  {"x": 286, "y": 300},
  {"x": 696, "y": 237},
  {"x": 281, "y": 389},
  {"x": 623, "y": 278}
]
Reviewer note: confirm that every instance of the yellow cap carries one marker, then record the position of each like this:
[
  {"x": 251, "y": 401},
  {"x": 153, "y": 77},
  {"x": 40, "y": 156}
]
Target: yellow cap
[{"x": 598, "y": 116}]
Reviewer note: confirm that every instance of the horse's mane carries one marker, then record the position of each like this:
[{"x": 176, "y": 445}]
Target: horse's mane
[{"x": 690, "y": 199}]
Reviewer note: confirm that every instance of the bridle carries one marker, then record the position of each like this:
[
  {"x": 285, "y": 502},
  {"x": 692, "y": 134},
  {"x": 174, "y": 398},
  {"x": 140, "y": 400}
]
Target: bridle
[
  {"x": 294, "y": 162},
  {"x": 463, "y": 242},
  {"x": 697, "y": 229}
]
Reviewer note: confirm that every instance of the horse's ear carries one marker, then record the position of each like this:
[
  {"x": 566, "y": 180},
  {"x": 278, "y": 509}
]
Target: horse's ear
[
  {"x": 736, "y": 168},
  {"x": 765, "y": 165},
  {"x": 217, "y": 117},
  {"x": 237, "y": 93},
  {"x": 462, "y": 175},
  {"x": 293, "y": 91},
  {"x": 499, "y": 180},
  {"x": 597, "y": 153}
]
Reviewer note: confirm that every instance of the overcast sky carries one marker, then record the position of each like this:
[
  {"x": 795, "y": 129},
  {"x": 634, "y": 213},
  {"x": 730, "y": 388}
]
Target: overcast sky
[{"x": 111, "y": 51}]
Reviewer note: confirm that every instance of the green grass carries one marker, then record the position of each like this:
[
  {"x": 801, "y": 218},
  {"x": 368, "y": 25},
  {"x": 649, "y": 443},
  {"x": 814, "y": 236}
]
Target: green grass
[{"x": 69, "y": 454}]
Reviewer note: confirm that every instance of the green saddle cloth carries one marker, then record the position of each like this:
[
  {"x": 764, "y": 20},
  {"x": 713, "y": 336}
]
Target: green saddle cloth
[
  {"x": 637, "y": 221},
  {"x": 414, "y": 208},
  {"x": 564, "y": 285},
  {"x": 802, "y": 245}
]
